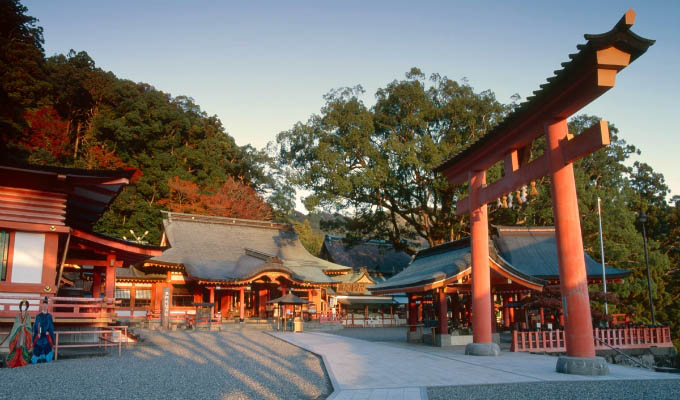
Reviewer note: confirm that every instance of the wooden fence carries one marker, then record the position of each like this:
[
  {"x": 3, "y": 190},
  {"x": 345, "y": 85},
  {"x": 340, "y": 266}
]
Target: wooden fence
[{"x": 619, "y": 338}]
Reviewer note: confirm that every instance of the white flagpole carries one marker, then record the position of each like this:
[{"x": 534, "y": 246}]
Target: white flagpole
[{"x": 604, "y": 275}]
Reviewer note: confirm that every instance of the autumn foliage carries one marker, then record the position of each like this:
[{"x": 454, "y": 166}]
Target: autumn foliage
[
  {"x": 46, "y": 131},
  {"x": 232, "y": 199}
]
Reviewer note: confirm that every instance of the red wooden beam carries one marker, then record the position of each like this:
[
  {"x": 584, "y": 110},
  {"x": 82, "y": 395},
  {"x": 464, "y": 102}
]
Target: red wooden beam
[
  {"x": 591, "y": 140},
  {"x": 92, "y": 262}
]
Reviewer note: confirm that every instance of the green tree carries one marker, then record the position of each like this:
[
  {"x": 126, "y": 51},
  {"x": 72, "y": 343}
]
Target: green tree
[
  {"x": 312, "y": 241},
  {"x": 377, "y": 163}
]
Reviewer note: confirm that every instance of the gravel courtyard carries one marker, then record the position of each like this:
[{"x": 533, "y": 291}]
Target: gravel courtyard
[{"x": 179, "y": 365}]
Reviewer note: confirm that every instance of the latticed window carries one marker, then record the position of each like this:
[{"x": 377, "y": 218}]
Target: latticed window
[
  {"x": 142, "y": 298},
  {"x": 4, "y": 254},
  {"x": 124, "y": 296}
]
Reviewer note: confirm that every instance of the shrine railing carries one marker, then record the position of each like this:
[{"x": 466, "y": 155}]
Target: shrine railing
[
  {"x": 619, "y": 338},
  {"x": 61, "y": 308},
  {"x": 352, "y": 320}
]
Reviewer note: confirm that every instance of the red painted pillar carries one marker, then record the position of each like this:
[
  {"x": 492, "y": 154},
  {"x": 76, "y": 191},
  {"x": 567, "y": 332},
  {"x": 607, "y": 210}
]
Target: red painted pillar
[
  {"x": 570, "y": 255},
  {"x": 242, "y": 300},
  {"x": 542, "y": 314},
  {"x": 443, "y": 326},
  {"x": 96, "y": 283},
  {"x": 420, "y": 310},
  {"x": 506, "y": 312},
  {"x": 212, "y": 300},
  {"x": 481, "y": 280},
  {"x": 110, "y": 284},
  {"x": 412, "y": 312}
]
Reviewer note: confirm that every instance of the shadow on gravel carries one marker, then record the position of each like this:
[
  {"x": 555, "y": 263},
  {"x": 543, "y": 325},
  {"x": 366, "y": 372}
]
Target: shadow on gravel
[{"x": 184, "y": 364}]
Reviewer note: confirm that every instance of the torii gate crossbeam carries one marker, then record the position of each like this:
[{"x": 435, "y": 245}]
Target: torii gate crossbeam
[{"x": 590, "y": 73}]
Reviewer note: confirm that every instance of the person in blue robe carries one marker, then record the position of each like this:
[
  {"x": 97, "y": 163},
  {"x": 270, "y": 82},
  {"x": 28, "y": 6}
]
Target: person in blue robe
[{"x": 43, "y": 335}]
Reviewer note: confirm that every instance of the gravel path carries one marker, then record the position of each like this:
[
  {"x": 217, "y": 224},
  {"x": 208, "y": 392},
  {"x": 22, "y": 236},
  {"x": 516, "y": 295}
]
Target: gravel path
[
  {"x": 642, "y": 389},
  {"x": 172, "y": 365}
]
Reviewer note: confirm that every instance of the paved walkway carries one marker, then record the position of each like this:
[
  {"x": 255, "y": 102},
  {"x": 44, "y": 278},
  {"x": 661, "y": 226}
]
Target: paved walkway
[{"x": 360, "y": 369}]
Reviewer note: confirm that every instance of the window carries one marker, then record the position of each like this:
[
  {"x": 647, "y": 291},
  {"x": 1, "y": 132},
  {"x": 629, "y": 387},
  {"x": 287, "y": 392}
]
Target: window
[
  {"x": 182, "y": 296},
  {"x": 142, "y": 298},
  {"x": 4, "y": 254},
  {"x": 124, "y": 296}
]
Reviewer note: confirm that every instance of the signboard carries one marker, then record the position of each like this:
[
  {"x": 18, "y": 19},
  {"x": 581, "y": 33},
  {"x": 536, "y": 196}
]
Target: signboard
[{"x": 165, "y": 308}]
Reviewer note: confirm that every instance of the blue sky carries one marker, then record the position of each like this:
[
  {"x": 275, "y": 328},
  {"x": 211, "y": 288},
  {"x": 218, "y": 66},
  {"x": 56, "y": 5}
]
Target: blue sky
[{"x": 263, "y": 66}]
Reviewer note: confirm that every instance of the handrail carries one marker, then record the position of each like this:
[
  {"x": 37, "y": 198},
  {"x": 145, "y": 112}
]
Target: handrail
[{"x": 622, "y": 353}]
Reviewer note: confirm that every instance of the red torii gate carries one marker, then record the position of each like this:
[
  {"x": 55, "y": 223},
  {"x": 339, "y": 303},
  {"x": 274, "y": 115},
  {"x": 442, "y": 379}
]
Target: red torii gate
[{"x": 591, "y": 72}]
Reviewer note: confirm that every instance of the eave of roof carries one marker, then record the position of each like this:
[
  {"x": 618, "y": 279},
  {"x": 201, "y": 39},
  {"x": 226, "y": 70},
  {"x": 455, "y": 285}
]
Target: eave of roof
[{"x": 89, "y": 192}]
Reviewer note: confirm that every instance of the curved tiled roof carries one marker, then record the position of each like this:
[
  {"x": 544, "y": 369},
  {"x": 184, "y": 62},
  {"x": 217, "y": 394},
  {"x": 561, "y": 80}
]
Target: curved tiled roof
[
  {"x": 229, "y": 249},
  {"x": 528, "y": 253}
]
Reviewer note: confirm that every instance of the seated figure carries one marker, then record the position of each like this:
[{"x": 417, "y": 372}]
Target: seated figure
[{"x": 43, "y": 335}]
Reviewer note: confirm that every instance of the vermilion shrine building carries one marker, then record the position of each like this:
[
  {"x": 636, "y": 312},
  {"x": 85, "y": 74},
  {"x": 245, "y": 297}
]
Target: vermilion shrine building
[
  {"x": 522, "y": 261},
  {"x": 237, "y": 265},
  {"x": 46, "y": 220}
]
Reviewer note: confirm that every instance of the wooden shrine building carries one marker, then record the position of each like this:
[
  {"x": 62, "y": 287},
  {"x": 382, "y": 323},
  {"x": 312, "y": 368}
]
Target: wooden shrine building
[
  {"x": 522, "y": 261},
  {"x": 237, "y": 265},
  {"x": 47, "y": 216},
  {"x": 587, "y": 75}
]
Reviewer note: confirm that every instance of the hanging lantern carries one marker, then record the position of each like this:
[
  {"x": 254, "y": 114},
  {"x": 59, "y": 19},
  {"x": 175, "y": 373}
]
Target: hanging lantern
[
  {"x": 523, "y": 195},
  {"x": 510, "y": 200},
  {"x": 499, "y": 204},
  {"x": 534, "y": 192},
  {"x": 505, "y": 202}
]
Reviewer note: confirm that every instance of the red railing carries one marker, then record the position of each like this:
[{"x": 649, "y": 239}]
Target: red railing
[
  {"x": 620, "y": 338},
  {"x": 107, "y": 337},
  {"x": 61, "y": 307}
]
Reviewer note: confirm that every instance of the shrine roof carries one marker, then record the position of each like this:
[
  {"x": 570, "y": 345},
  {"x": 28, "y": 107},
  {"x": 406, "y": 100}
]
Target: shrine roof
[
  {"x": 375, "y": 255},
  {"x": 93, "y": 245},
  {"x": 533, "y": 250},
  {"x": 431, "y": 265},
  {"x": 88, "y": 192},
  {"x": 527, "y": 253},
  {"x": 228, "y": 250},
  {"x": 571, "y": 88}
]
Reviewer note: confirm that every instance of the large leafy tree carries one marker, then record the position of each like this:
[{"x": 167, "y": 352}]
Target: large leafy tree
[{"x": 376, "y": 163}]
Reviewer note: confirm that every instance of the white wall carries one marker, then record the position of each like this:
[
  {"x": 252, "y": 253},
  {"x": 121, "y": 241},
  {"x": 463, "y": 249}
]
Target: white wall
[{"x": 27, "y": 260}]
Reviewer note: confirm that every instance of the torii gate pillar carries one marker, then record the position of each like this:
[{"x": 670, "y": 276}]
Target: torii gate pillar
[
  {"x": 482, "y": 343},
  {"x": 580, "y": 358}
]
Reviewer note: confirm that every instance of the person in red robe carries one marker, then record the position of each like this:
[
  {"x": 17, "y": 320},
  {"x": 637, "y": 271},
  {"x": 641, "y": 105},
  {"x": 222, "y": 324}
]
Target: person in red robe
[{"x": 20, "y": 339}]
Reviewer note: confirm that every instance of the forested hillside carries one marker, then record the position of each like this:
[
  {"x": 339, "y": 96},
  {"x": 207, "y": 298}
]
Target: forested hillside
[{"x": 63, "y": 110}]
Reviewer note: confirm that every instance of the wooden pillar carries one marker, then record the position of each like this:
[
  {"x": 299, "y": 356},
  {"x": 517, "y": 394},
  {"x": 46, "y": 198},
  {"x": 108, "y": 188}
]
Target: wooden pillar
[
  {"x": 506, "y": 311},
  {"x": 542, "y": 314},
  {"x": 242, "y": 300},
  {"x": 212, "y": 300},
  {"x": 110, "y": 283},
  {"x": 443, "y": 308},
  {"x": 412, "y": 312},
  {"x": 96, "y": 283},
  {"x": 570, "y": 254},
  {"x": 481, "y": 283}
]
